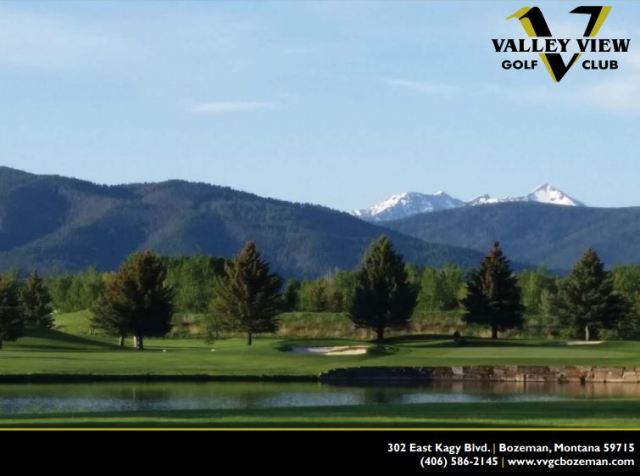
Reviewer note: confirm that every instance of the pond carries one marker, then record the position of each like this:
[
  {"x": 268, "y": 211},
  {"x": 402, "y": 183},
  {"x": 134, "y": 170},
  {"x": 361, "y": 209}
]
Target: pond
[{"x": 118, "y": 396}]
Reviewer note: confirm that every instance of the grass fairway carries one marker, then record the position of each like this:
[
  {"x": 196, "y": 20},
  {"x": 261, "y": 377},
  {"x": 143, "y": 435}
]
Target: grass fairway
[
  {"x": 70, "y": 351},
  {"x": 59, "y": 353},
  {"x": 616, "y": 414},
  {"x": 76, "y": 323}
]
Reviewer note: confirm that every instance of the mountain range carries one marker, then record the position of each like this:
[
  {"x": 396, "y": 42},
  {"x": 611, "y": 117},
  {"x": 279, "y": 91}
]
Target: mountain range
[
  {"x": 536, "y": 233},
  {"x": 407, "y": 204},
  {"x": 57, "y": 224}
]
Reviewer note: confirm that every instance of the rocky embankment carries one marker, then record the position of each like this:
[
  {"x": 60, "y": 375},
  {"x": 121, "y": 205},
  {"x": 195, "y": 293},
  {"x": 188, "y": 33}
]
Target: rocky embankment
[{"x": 579, "y": 374}]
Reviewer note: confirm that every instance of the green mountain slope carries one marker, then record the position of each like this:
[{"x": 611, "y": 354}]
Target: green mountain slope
[
  {"x": 58, "y": 224},
  {"x": 549, "y": 235}
]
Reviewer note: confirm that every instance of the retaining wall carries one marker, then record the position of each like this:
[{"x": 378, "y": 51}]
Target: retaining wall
[{"x": 580, "y": 374}]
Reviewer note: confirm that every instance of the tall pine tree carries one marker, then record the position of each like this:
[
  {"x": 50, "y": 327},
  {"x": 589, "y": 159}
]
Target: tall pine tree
[
  {"x": 247, "y": 298},
  {"x": 291, "y": 295},
  {"x": 493, "y": 295},
  {"x": 586, "y": 300},
  {"x": 383, "y": 296},
  {"x": 11, "y": 311},
  {"x": 105, "y": 315},
  {"x": 138, "y": 301},
  {"x": 36, "y": 302}
]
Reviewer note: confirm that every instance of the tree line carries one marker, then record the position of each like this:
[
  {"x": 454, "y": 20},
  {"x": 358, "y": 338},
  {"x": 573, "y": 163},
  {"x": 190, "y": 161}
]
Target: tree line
[
  {"x": 242, "y": 294},
  {"x": 23, "y": 303},
  {"x": 193, "y": 279}
]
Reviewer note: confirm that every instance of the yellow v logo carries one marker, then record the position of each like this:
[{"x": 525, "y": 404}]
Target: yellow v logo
[{"x": 534, "y": 24}]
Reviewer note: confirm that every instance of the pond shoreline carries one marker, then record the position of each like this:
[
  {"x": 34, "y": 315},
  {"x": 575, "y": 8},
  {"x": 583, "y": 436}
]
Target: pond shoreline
[
  {"x": 357, "y": 375},
  {"x": 88, "y": 378},
  {"x": 485, "y": 373}
]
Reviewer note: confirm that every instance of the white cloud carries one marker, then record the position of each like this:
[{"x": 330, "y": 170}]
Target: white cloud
[
  {"x": 425, "y": 87},
  {"x": 221, "y": 107}
]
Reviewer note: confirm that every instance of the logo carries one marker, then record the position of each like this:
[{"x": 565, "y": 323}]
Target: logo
[{"x": 551, "y": 49}]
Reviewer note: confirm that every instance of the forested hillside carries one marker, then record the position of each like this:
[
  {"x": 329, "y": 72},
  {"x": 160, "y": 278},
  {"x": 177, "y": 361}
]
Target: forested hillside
[{"x": 58, "y": 224}]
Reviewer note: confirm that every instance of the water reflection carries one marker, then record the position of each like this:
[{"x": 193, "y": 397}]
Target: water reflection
[{"x": 112, "y": 397}]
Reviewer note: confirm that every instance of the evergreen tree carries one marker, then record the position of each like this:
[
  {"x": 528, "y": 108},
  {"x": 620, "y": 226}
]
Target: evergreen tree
[
  {"x": 247, "y": 297},
  {"x": 383, "y": 296},
  {"x": 138, "y": 301},
  {"x": 493, "y": 296},
  {"x": 36, "y": 302},
  {"x": 11, "y": 311},
  {"x": 291, "y": 297},
  {"x": 105, "y": 317},
  {"x": 587, "y": 300}
]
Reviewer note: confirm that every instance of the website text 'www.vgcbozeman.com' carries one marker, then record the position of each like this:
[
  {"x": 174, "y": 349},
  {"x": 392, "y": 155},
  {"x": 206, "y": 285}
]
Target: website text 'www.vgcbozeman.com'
[{"x": 565, "y": 462}]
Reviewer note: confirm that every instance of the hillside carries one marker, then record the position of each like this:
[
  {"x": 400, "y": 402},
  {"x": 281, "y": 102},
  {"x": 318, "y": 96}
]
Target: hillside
[
  {"x": 548, "y": 235},
  {"x": 59, "y": 224}
]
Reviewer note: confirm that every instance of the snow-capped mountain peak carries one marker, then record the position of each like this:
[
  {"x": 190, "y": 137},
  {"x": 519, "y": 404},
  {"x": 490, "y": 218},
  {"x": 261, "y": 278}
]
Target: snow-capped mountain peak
[
  {"x": 546, "y": 193},
  {"x": 406, "y": 204},
  {"x": 485, "y": 199}
]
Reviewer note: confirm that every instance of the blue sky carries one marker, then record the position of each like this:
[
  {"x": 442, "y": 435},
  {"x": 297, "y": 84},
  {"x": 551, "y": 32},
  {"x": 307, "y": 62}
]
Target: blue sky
[{"x": 336, "y": 103}]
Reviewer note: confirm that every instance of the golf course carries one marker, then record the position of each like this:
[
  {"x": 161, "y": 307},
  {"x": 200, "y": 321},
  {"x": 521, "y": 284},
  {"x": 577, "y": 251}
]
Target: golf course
[{"x": 270, "y": 371}]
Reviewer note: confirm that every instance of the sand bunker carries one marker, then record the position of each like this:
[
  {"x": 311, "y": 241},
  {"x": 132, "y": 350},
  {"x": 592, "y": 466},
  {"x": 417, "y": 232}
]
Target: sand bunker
[
  {"x": 584, "y": 342},
  {"x": 337, "y": 350}
]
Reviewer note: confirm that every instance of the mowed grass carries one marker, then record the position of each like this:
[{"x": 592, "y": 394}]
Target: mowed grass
[
  {"x": 70, "y": 349},
  {"x": 74, "y": 322},
  {"x": 617, "y": 414},
  {"x": 60, "y": 353}
]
